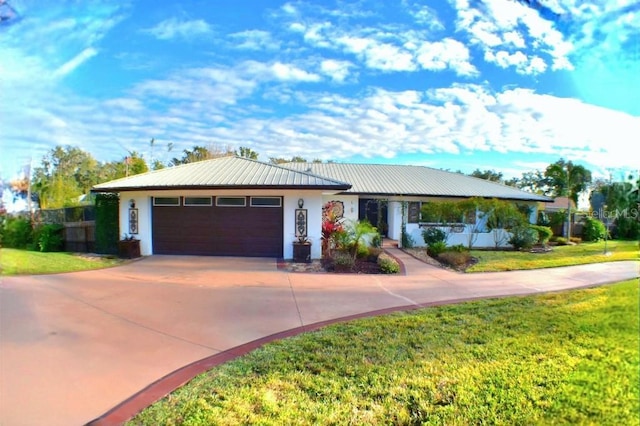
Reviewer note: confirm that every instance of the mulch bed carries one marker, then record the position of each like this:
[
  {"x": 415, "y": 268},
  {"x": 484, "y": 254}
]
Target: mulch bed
[{"x": 362, "y": 266}]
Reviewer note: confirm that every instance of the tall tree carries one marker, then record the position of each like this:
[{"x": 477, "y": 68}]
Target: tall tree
[
  {"x": 64, "y": 175},
  {"x": 246, "y": 152},
  {"x": 490, "y": 175},
  {"x": 568, "y": 180},
  {"x": 200, "y": 153}
]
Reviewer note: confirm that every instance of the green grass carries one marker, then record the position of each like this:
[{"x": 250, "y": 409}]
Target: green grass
[
  {"x": 562, "y": 358},
  {"x": 24, "y": 262},
  {"x": 490, "y": 261}
]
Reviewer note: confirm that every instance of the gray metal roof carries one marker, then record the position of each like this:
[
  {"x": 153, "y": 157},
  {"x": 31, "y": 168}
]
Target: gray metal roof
[
  {"x": 384, "y": 179},
  {"x": 223, "y": 172}
]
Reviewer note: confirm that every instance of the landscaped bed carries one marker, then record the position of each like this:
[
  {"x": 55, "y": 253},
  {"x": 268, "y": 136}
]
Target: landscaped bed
[
  {"x": 563, "y": 358},
  {"x": 509, "y": 260}
]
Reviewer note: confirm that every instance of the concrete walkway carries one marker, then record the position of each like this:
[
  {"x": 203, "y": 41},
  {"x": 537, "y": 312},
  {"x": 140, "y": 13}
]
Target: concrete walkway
[{"x": 72, "y": 346}]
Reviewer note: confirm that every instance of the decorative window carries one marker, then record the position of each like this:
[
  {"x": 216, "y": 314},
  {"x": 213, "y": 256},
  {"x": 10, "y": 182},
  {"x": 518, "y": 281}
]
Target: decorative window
[
  {"x": 413, "y": 212},
  {"x": 166, "y": 201},
  {"x": 231, "y": 201},
  {"x": 197, "y": 201},
  {"x": 266, "y": 201}
]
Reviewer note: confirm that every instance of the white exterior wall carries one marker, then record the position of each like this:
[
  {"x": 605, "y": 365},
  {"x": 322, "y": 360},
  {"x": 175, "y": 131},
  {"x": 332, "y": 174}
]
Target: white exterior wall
[
  {"x": 313, "y": 201},
  {"x": 394, "y": 219},
  {"x": 483, "y": 239}
]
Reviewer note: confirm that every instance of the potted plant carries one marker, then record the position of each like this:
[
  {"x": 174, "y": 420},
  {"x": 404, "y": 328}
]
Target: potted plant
[
  {"x": 302, "y": 250},
  {"x": 129, "y": 247}
]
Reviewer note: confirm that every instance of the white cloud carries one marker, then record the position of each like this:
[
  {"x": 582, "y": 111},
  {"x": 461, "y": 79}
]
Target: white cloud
[
  {"x": 288, "y": 72},
  {"x": 508, "y": 30},
  {"x": 254, "y": 40},
  {"x": 75, "y": 62},
  {"x": 448, "y": 53},
  {"x": 337, "y": 70},
  {"x": 174, "y": 28}
]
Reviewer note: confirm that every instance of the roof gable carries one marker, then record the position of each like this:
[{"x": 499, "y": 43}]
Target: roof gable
[{"x": 223, "y": 172}]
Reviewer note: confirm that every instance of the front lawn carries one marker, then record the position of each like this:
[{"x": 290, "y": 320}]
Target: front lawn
[
  {"x": 490, "y": 261},
  {"x": 25, "y": 262},
  {"x": 561, "y": 358}
]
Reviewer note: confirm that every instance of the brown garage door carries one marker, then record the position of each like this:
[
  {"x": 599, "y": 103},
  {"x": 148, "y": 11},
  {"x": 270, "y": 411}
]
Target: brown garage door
[{"x": 218, "y": 226}]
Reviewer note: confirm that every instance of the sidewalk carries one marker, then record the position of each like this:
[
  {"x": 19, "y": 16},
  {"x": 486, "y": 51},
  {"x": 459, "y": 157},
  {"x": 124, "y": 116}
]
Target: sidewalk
[{"x": 72, "y": 346}]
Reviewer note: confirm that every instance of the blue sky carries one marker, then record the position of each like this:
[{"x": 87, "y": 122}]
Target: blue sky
[{"x": 458, "y": 84}]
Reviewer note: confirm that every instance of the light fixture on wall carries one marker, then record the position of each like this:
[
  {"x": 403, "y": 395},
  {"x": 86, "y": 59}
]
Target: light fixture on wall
[
  {"x": 300, "y": 203},
  {"x": 132, "y": 203}
]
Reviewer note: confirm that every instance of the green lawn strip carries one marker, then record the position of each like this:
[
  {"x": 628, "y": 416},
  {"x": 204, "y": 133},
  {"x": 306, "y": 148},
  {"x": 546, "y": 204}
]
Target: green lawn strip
[
  {"x": 25, "y": 262},
  {"x": 566, "y": 358},
  {"x": 492, "y": 261}
]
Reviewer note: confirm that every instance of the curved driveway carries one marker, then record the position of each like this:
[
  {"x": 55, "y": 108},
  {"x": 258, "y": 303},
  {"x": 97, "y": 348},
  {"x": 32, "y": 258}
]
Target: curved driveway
[{"x": 72, "y": 346}]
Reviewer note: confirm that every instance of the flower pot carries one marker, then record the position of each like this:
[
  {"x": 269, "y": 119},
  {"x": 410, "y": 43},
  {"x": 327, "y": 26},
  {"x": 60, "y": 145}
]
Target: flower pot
[
  {"x": 302, "y": 252},
  {"x": 129, "y": 249}
]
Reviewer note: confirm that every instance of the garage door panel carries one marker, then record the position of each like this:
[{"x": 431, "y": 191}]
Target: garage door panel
[{"x": 213, "y": 230}]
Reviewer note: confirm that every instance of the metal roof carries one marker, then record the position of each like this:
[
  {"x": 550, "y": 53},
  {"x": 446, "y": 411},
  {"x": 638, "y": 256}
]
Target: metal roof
[
  {"x": 384, "y": 179},
  {"x": 224, "y": 172}
]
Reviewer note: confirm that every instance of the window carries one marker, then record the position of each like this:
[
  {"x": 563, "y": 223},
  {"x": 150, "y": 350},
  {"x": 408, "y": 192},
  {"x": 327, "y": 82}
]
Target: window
[
  {"x": 197, "y": 201},
  {"x": 166, "y": 201},
  {"x": 413, "y": 212},
  {"x": 231, "y": 201},
  {"x": 266, "y": 201}
]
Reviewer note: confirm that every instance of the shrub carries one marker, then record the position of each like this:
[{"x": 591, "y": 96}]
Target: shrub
[
  {"x": 49, "y": 238},
  {"x": 561, "y": 241},
  {"x": 523, "y": 237},
  {"x": 343, "y": 261},
  {"x": 456, "y": 259},
  {"x": 436, "y": 248},
  {"x": 576, "y": 240},
  {"x": 17, "y": 233},
  {"x": 406, "y": 239},
  {"x": 376, "y": 241},
  {"x": 544, "y": 233},
  {"x": 387, "y": 264},
  {"x": 593, "y": 230},
  {"x": 458, "y": 248},
  {"x": 433, "y": 235}
]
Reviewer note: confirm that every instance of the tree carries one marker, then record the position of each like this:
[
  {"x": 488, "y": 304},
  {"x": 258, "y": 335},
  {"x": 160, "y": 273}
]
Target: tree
[
  {"x": 246, "y": 152},
  {"x": 64, "y": 175},
  {"x": 280, "y": 160},
  {"x": 200, "y": 153},
  {"x": 490, "y": 175},
  {"x": 567, "y": 180},
  {"x": 129, "y": 165}
]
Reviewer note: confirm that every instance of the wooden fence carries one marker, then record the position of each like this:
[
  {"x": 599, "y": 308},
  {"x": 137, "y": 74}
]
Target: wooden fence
[{"x": 80, "y": 236}]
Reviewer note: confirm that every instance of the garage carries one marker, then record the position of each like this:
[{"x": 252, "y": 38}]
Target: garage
[{"x": 218, "y": 226}]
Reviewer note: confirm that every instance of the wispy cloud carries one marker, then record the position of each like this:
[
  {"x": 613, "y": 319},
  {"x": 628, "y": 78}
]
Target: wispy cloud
[
  {"x": 175, "y": 28},
  {"x": 75, "y": 62},
  {"x": 254, "y": 40}
]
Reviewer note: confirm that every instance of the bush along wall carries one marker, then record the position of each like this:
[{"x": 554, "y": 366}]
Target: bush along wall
[{"x": 107, "y": 223}]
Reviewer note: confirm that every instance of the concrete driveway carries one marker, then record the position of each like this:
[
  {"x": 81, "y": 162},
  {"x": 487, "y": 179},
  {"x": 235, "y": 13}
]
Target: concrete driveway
[{"x": 72, "y": 346}]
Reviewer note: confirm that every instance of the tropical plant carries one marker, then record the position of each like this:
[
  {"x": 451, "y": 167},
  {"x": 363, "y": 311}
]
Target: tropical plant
[
  {"x": 331, "y": 226},
  {"x": 436, "y": 248},
  {"x": 568, "y": 180},
  {"x": 49, "y": 237}
]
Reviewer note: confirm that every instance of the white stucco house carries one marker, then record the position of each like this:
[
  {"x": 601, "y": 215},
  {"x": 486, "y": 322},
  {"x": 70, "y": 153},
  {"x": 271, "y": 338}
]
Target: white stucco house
[{"x": 233, "y": 206}]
